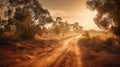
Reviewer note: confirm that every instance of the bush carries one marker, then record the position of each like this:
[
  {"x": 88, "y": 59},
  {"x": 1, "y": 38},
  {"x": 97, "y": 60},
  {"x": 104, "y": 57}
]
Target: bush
[
  {"x": 97, "y": 44},
  {"x": 29, "y": 33}
]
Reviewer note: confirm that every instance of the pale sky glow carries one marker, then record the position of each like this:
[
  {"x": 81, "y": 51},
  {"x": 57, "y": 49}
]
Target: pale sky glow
[
  {"x": 85, "y": 18},
  {"x": 71, "y": 11}
]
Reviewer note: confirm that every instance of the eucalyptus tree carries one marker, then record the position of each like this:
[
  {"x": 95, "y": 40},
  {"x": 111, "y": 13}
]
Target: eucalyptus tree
[
  {"x": 108, "y": 14},
  {"x": 76, "y": 27},
  {"x": 27, "y": 16}
]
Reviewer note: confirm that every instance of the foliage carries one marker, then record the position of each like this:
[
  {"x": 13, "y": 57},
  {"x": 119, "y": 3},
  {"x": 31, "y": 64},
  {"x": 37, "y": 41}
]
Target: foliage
[
  {"x": 110, "y": 45},
  {"x": 27, "y": 17},
  {"x": 108, "y": 16},
  {"x": 65, "y": 27}
]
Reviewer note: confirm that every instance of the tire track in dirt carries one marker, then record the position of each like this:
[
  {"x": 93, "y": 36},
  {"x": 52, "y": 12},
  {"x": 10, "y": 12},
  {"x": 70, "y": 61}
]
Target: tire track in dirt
[
  {"x": 68, "y": 54},
  {"x": 72, "y": 58}
]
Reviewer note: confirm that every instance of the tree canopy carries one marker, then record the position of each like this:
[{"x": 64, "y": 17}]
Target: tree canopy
[
  {"x": 26, "y": 16},
  {"x": 108, "y": 14}
]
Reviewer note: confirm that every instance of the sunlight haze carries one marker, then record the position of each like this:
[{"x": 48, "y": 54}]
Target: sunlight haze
[{"x": 71, "y": 11}]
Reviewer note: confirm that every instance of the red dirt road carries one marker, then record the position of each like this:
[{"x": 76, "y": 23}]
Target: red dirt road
[{"x": 67, "y": 55}]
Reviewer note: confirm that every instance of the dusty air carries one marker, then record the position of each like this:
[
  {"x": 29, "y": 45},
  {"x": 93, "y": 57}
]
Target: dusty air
[{"x": 59, "y": 33}]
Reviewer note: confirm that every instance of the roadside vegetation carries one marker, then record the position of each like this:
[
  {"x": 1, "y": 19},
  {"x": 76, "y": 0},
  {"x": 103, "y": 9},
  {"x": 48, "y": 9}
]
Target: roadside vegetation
[
  {"x": 29, "y": 30},
  {"x": 100, "y": 49}
]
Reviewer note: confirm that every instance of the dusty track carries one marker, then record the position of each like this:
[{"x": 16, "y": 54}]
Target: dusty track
[{"x": 67, "y": 55}]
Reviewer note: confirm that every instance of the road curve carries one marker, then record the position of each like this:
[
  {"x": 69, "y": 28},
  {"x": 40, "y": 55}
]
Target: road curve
[{"x": 67, "y": 55}]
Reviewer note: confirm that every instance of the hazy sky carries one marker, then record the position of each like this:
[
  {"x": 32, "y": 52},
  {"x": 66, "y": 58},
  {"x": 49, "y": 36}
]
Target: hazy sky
[{"x": 72, "y": 11}]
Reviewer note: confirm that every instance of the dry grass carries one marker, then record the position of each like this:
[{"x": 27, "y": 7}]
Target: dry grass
[
  {"x": 101, "y": 35},
  {"x": 100, "y": 50},
  {"x": 54, "y": 36}
]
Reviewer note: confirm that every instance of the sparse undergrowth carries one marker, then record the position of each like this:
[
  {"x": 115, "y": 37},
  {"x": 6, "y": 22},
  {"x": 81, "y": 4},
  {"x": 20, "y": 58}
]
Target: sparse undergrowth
[
  {"x": 16, "y": 52},
  {"x": 111, "y": 45},
  {"x": 100, "y": 53}
]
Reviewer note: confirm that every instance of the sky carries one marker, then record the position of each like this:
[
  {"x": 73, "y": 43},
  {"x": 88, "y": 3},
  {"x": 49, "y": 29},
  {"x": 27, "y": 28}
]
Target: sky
[{"x": 71, "y": 11}]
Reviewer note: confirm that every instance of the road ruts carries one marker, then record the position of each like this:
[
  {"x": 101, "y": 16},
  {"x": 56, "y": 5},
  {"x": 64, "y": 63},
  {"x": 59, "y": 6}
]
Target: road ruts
[
  {"x": 67, "y": 55},
  {"x": 72, "y": 58}
]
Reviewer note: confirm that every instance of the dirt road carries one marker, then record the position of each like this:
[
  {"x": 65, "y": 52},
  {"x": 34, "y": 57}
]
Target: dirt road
[{"x": 67, "y": 55}]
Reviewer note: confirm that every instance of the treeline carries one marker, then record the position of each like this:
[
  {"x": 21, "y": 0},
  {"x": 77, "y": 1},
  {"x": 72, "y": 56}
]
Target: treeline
[
  {"x": 62, "y": 27},
  {"x": 26, "y": 18}
]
